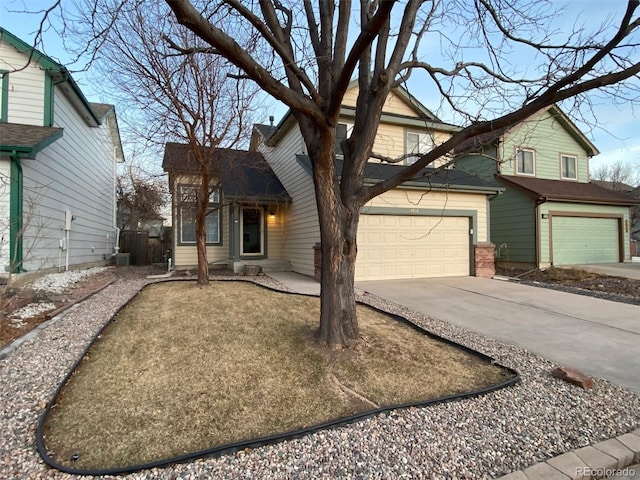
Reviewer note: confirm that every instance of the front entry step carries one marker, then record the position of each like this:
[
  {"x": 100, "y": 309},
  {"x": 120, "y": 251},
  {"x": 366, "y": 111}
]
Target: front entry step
[{"x": 268, "y": 265}]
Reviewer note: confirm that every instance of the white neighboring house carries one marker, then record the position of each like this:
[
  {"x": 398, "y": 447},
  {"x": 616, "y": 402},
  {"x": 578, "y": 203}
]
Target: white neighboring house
[{"x": 58, "y": 157}]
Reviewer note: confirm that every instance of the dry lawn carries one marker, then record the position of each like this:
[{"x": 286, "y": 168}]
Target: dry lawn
[{"x": 186, "y": 368}]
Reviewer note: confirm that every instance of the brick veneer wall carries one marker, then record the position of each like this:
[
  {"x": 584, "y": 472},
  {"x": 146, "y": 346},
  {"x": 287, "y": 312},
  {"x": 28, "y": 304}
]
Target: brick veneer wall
[{"x": 484, "y": 260}]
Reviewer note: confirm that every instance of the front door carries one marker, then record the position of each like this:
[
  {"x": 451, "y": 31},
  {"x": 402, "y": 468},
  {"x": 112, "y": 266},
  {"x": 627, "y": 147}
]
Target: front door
[{"x": 251, "y": 232}]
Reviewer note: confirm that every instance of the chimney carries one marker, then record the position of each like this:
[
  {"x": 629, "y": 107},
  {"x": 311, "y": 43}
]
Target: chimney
[{"x": 271, "y": 120}]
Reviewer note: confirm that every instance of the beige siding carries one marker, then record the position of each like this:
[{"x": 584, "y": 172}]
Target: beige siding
[
  {"x": 186, "y": 256},
  {"x": 276, "y": 234},
  {"x": 300, "y": 228},
  {"x": 394, "y": 104},
  {"x": 417, "y": 200},
  {"x": 26, "y": 87}
]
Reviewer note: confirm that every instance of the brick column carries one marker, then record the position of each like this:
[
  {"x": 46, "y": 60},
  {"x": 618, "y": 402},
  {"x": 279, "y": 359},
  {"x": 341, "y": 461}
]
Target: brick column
[
  {"x": 317, "y": 261},
  {"x": 484, "y": 260}
]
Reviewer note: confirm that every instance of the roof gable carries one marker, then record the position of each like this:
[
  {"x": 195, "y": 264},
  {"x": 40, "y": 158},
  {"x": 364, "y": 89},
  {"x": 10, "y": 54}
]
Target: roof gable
[
  {"x": 555, "y": 113},
  {"x": 56, "y": 70}
]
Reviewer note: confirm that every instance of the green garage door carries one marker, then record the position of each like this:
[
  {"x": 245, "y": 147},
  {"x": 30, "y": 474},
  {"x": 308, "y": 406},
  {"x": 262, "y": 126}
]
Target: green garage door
[{"x": 579, "y": 240}]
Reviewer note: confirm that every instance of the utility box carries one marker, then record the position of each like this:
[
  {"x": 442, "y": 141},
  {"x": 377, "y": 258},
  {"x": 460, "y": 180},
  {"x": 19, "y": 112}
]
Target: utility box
[{"x": 123, "y": 259}]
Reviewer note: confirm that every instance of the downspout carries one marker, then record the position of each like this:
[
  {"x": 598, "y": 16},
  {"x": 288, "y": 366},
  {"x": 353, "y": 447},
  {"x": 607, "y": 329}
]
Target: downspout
[
  {"x": 116, "y": 247},
  {"x": 15, "y": 215}
]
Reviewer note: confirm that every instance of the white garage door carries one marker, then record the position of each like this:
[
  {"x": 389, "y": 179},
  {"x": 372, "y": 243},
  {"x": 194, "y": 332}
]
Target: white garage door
[
  {"x": 396, "y": 246},
  {"x": 579, "y": 240}
]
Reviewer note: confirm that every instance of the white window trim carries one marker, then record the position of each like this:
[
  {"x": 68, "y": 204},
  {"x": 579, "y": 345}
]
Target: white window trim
[
  {"x": 533, "y": 161},
  {"x": 575, "y": 166},
  {"x": 413, "y": 159}
]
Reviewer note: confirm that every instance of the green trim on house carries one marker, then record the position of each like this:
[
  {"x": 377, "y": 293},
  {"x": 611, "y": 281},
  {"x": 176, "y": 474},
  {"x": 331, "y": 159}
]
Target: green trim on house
[
  {"x": 30, "y": 151},
  {"x": 15, "y": 215},
  {"x": 52, "y": 68},
  {"x": 48, "y": 101},
  {"x": 4, "y": 93}
]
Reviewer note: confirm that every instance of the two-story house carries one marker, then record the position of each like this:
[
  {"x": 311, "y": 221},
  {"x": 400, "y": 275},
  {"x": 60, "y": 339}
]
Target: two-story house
[
  {"x": 432, "y": 227},
  {"x": 58, "y": 156},
  {"x": 549, "y": 212}
]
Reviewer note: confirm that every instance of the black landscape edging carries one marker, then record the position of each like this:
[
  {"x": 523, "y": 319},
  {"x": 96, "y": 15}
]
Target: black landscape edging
[{"x": 272, "y": 439}]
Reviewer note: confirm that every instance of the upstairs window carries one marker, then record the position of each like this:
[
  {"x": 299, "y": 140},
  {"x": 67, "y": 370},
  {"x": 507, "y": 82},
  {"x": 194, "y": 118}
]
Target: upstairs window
[
  {"x": 525, "y": 161},
  {"x": 187, "y": 213},
  {"x": 343, "y": 131},
  {"x": 568, "y": 167},
  {"x": 417, "y": 142}
]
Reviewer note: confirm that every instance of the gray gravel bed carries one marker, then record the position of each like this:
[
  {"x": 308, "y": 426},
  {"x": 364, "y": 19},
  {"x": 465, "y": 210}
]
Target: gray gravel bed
[{"x": 484, "y": 437}]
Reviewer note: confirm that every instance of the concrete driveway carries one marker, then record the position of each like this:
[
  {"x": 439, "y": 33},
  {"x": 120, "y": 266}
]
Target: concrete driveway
[{"x": 599, "y": 337}]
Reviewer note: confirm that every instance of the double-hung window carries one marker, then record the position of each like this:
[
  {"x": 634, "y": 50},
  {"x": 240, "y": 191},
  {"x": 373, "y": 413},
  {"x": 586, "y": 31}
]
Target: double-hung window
[
  {"x": 187, "y": 195},
  {"x": 419, "y": 143},
  {"x": 568, "y": 167},
  {"x": 525, "y": 162}
]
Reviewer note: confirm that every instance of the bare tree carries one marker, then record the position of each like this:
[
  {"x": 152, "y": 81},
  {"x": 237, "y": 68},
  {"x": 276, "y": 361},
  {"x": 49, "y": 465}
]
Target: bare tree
[
  {"x": 140, "y": 198},
  {"x": 318, "y": 47},
  {"x": 318, "y": 65},
  {"x": 619, "y": 175},
  {"x": 186, "y": 98}
]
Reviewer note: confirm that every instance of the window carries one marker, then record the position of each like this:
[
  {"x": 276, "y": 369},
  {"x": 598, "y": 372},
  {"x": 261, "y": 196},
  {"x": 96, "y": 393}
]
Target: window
[
  {"x": 343, "y": 130},
  {"x": 187, "y": 212},
  {"x": 525, "y": 162},
  {"x": 189, "y": 194},
  {"x": 417, "y": 143},
  {"x": 568, "y": 167}
]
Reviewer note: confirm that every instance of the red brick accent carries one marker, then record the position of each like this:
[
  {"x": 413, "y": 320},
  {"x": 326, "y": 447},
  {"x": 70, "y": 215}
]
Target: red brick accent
[
  {"x": 317, "y": 261},
  {"x": 484, "y": 260}
]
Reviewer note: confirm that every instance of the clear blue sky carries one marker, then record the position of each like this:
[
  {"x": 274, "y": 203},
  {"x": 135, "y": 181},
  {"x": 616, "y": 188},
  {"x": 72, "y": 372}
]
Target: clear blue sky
[{"x": 617, "y": 135}]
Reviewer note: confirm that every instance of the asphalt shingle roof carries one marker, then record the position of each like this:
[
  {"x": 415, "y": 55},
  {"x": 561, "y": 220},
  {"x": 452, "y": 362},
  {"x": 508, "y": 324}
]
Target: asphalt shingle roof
[
  {"x": 427, "y": 177},
  {"x": 569, "y": 191},
  {"x": 242, "y": 174},
  {"x": 26, "y": 136}
]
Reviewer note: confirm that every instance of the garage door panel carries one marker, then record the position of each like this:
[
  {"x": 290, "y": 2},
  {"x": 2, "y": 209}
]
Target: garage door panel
[
  {"x": 412, "y": 247},
  {"x": 583, "y": 240}
]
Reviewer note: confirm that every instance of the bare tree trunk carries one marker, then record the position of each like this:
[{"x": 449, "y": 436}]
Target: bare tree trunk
[
  {"x": 202, "y": 202},
  {"x": 338, "y": 230}
]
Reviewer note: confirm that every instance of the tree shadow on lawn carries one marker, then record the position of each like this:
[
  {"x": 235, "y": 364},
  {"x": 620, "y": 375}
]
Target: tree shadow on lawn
[{"x": 183, "y": 371}]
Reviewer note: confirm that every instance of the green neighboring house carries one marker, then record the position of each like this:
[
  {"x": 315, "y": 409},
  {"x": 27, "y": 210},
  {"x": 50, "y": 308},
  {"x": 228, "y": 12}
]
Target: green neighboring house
[{"x": 549, "y": 213}]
